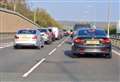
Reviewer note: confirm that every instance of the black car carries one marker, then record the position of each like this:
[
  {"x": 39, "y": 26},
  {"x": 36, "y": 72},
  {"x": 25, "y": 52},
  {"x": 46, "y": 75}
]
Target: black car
[{"x": 88, "y": 40}]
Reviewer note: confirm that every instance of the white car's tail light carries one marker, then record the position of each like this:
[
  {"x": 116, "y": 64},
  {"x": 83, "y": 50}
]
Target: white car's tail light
[
  {"x": 16, "y": 37},
  {"x": 34, "y": 37}
]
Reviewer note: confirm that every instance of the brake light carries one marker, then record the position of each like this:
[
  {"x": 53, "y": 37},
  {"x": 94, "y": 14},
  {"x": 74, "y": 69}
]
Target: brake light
[
  {"x": 34, "y": 37},
  {"x": 105, "y": 40},
  {"x": 71, "y": 33},
  {"x": 16, "y": 37},
  {"x": 79, "y": 41}
]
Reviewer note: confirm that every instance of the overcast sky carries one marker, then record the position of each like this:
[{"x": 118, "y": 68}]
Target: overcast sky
[{"x": 79, "y": 10}]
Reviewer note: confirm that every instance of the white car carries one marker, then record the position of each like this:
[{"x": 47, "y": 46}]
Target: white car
[{"x": 28, "y": 37}]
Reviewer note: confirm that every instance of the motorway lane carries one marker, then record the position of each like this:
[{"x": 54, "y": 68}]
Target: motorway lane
[
  {"x": 63, "y": 66},
  {"x": 13, "y": 63},
  {"x": 59, "y": 66}
]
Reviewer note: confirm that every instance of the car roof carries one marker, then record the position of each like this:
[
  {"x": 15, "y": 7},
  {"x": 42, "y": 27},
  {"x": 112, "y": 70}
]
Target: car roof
[
  {"x": 90, "y": 28},
  {"x": 27, "y": 29},
  {"x": 42, "y": 28}
]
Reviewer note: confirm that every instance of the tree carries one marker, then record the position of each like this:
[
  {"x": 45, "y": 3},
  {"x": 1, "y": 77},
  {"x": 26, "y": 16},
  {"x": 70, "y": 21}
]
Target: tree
[{"x": 42, "y": 17}]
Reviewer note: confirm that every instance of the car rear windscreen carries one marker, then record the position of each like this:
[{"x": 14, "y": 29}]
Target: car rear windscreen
[
  {"x": 26, "y": 32},
  {"x": 92, "y": 33},
  {"x": 42, "y": 30},
  {"x": 78, "y": 26}
]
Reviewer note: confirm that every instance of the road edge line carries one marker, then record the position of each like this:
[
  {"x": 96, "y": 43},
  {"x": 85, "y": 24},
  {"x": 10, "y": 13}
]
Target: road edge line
[{"x": 114, "y": 51}]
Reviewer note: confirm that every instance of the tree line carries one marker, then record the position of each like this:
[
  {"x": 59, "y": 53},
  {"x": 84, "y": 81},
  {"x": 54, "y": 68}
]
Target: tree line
[{"x": 42, "y": 17}]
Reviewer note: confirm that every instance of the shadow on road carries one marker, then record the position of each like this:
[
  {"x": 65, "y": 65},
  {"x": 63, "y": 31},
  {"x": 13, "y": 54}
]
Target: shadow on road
[
  {"x": 27, "y": 48},
  {"x": 68, "y": 53}
]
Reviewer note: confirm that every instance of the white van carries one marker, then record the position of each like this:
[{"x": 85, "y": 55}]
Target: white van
[{"x": 55, "y": 31}]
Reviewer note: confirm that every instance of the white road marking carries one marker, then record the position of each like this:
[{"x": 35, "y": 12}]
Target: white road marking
[
  {"x": 61, "y": 44},
  {"x": 1, "y": 47},
  {"x": 114, "y": 51},
  {"x": 4, "y": 45},
  {"x": 33, "y": 68},
  {"x": 41, "y": 61},
  {"x": 52, "y": 51}
]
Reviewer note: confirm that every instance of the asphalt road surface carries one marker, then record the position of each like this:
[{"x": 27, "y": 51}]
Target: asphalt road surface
[{"x": 55, "y": 63}]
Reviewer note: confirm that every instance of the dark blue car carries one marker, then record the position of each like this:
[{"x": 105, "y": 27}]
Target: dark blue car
[{"x": 95, "y": 41}]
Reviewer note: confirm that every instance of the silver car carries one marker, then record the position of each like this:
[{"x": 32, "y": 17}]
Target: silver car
[
  {"x": 28, "y": 37},
  {"x": 46, "y": 35}
]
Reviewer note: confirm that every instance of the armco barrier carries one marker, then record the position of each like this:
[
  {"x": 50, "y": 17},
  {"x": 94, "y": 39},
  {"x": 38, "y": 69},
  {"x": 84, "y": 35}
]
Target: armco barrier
[
  {"x": 6, "y": 36},
  {"x": 116, "y": 41}
]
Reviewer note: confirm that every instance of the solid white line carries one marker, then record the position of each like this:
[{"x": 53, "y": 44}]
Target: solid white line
[
  {"x": 52, "y": 51},
  {"x": 5, "y": 45},
  {"x": 114, "y": 51},
  {"x": 33, "y": 68}
]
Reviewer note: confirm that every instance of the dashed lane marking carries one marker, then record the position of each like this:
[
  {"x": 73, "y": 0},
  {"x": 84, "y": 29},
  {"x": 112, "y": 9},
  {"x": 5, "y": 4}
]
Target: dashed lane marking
[
  {"x": 41, "y": 61},
  {"x": 33, "y": 68},
  {"x": 52, "y": 51},
  {"x": 61, "y": 43}
]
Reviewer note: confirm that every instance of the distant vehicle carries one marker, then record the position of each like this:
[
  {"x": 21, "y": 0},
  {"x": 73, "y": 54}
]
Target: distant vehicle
[
  {"x": 94, "y": 41},
  {"x": 53, "y": 36},
  {"x": 56, "y": 32},
  {"x": 28, "y": 37},
  {"x": 71, "y": 33},
  {"x": 77, "y": 26},
  {"x": 65, "y": 33},
  {"x": 47, "y": 36},
  {"x": 61, "y": 33}
]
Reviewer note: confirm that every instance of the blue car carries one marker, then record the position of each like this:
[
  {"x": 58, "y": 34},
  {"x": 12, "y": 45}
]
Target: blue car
[{"x": 93, "y": 41}]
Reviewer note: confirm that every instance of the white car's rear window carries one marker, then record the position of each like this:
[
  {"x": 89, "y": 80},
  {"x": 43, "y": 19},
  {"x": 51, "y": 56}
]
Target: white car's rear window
[{"x": 26, "y": 32}]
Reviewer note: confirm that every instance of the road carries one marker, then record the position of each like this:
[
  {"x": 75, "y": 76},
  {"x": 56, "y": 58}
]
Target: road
[{"x": 55, "y": 63}]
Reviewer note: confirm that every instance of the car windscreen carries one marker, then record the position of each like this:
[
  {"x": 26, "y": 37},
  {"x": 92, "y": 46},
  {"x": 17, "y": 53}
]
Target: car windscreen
[
  {"x": 50, "y": 30},
  {"x": 92, "y": 33},
  {"x": 26, "y": 32},
  {"x": 77, "y": 26},
  {"x": 43, "y": 30}
]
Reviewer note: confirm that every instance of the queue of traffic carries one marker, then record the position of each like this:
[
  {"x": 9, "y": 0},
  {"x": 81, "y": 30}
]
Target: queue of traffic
[
  {"x": 37, "y": 37},
  {"x": 84, "y": 40}
]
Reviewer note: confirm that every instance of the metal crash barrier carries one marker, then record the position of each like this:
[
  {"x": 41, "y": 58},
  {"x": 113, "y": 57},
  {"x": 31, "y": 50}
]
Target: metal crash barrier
[
  {"x": 6, "y": 36},
  {"x": 116, "y": 41}
]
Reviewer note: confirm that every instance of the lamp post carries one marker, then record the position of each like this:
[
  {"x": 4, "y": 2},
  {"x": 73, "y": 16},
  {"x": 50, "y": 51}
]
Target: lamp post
[
  {"x": 108, "y": 17},
  {"x": 35, "y": 13},
  {"x": 14, "y": 7}
]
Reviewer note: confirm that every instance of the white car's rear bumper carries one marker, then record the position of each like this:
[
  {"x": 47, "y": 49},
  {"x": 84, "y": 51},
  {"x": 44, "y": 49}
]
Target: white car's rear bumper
[{"x": 25, "y": 43}]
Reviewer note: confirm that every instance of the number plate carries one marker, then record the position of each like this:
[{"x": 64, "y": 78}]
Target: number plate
[
  {"x": 92, "y": 42},
  {"x": 25, "y": 38}
]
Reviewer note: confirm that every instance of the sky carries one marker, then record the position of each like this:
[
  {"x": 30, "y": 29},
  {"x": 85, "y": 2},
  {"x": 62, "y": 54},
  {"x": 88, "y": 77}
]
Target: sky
[{"x": 79, "y": 10}]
